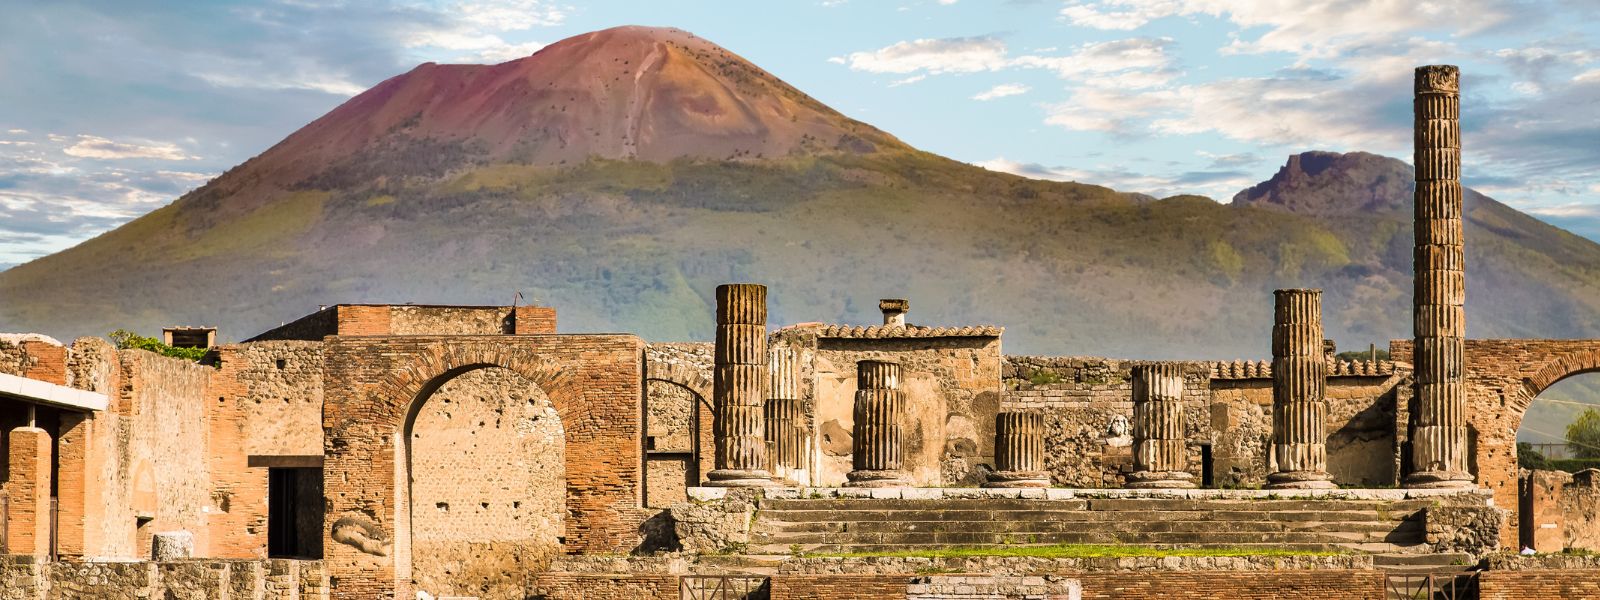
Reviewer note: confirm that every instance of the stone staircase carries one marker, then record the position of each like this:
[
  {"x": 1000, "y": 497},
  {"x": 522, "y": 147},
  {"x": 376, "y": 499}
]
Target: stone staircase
[{"x": 832, "y": 525}]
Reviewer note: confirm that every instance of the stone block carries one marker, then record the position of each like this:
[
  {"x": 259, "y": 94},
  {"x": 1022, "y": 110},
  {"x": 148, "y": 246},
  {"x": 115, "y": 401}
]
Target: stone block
[{"x": 171, "y": 545}]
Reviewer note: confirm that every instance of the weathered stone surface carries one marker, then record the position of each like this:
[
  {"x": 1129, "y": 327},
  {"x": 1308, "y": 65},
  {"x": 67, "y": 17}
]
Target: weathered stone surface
[
  {"x": 877, "y": 455},
  {"x": 1159, "y": 440},
  {"x": 171, "y": 545},
  {"x": 1019, "y": 451},
  {"x": 718, "y": 527},
  {"x": 1473, "y": 530},
  {"x": 740, "y": 381},
  {"x": 1299, "y": 383}
]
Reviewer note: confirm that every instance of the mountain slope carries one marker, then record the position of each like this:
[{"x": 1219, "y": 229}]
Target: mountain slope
[{"x": 459, "y": 183}]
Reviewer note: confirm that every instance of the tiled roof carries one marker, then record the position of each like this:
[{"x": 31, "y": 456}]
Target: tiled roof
[
  {"x": 891, "y": 331},
  {"x": 1262, "y": 369}
]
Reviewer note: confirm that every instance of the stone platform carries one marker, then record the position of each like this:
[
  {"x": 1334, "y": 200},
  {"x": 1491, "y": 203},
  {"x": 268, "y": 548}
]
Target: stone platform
[{"x": 855, "y": 520}]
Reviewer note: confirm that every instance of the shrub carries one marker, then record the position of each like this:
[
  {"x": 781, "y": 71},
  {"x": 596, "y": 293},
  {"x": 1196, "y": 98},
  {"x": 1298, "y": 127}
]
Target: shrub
[{"x": 126, "y": 340}]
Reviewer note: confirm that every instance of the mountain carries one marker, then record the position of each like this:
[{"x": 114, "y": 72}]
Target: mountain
[{"x": 621, "y": 175}]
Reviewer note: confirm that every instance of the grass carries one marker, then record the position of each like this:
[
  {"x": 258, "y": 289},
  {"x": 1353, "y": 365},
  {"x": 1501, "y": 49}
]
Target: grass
[{"x": 1078, "y": 551}]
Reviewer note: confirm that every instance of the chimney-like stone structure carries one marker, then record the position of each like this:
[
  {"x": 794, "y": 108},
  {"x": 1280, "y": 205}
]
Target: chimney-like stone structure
[
  {"x": 894, "y": 311},
  {"x": 786, "y": 432},
  {"x": 880, "y": 408},
  {"x": 1018, "y": 451},
  {"x": 739, "y": 387},
  {"x": 1439, "y": 319},
  {"x": 1159, "y": 457},
  {"x": 1299, "y": 383}
]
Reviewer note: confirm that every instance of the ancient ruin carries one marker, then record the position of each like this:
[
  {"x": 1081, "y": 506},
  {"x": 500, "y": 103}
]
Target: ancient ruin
[{"x": 413, "y": 451}]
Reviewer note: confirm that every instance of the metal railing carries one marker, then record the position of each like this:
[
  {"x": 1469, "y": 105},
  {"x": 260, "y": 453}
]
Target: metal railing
[
  {"x": 1431, "y": 586},
  {"x": 722, "y": 587}
]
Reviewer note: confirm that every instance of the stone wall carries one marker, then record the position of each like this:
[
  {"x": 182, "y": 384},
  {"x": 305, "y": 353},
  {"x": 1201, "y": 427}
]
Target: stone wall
[
  {"x": 952, "y": 387},
  {"x": 1088, "y": 407},
  {"x": 166, "y": 457},
  {"x": 1580, "y": 511},
  {"x": 488, "y": 485},
  {"x": 21, "y": 578},
  {"x": 679, "y": 445},
  {"x": 588, "y": 586}
]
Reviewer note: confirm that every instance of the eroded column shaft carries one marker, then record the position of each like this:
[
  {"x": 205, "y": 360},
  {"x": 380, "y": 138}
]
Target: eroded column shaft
[
  {"x": 739, "y": 385},
  {"x": 1438, "y": 419},
  {"x": 1299, "y": 380},
  {"x": 1160, "y": 459},
  {"x": 877, "y": 433},
  {"x": 785, "y": 424},
  {"x": 1018, "y": 451}
]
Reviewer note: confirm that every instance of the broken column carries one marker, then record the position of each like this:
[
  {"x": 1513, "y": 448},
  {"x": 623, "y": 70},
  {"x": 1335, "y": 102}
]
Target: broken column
[
  {"x": 739, "y": 387},
  {"x": 1018, "y": 451},
  {"x": 894, "y": 311},
  {"x": 1159, "y": 457},
  {"x": 1438, "y": 417},
  {"x": 1299, "y": 380},
  {"x": 877, "y": 452},
  {"x": 786, "y": 432}
]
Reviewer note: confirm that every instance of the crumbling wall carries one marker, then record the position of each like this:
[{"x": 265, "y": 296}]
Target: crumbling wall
[
  {"x": 953, "y": 392},
  {"x": 448, "y": 320},
  {"x": 165, "y": 463},
  {"x": 489, "y": 487},
  {"x": 1580, "y": 511},
  {"x": 277, "y": 392},
  {"x": 1088, "y": 407},
  {"x": 24, "y": 578}
]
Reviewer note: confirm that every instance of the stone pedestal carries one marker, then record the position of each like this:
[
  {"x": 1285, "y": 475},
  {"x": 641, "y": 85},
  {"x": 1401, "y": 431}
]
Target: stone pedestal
[
  {"x": 1439, "y": 414},
  {"x": 1160, "y": 459},
  {"x": 1018, "y": 451},
  {"x": 1299, "y": 383},
  {"x": 880, "y": 409},
  {"x": 171, "y": 545},
  {"x": 786, "y": 430},
  {"x": 739, "y": 387}
]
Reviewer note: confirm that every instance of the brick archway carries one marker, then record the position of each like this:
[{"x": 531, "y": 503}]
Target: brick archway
[
  {"x": 1562, "y": 366},
  {"x": 699, "y": 385},
  {"x": 595, "y": 383}
]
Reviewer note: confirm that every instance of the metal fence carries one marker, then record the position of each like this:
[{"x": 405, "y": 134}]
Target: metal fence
[
  {"x": 722, "y": 587},
  {"x": 1431, "y": 586}
]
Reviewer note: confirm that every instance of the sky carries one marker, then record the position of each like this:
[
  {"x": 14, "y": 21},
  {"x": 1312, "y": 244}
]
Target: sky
[{"x": 109, "y": 110}]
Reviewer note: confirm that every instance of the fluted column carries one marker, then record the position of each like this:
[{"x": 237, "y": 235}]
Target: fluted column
[
  {"x": 879, "y": 410},
  {"x": 786, "y": 433},
  {"x": 1018, "y": 451},
  {"x": 1159, "y": 457},
  {"x": 1439, "y": 417},
  {"x": 739, "y": 387},
  {"x": 1299, "y": 382}
]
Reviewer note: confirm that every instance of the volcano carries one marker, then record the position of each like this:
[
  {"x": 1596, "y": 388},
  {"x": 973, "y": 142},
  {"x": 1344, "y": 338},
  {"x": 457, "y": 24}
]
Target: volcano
[{"x": 621, "y": 175}]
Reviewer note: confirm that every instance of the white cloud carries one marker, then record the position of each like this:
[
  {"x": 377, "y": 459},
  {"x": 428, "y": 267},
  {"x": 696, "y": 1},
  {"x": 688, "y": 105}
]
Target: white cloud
[
  {"x": 509, "y": 52},
  {"x": 1001, "y": 91},
  {"x": 16, "y": 131},
  {"x": 907, "y": 81},
  {"x": 511, "y": 15},
  {"x": 948, "y": 55},
  {"x": 1587, "y": 76},
  {"x": 325, "y": 82},
  {"x": 89, "y": 146},
  {"x": 1213, "y": 183}
]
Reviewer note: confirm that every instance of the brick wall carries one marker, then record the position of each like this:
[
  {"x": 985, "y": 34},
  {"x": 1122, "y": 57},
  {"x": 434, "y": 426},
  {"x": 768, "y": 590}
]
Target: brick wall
[
  {"x": 583, "y": 586},
  {"x": 839, "y": 587},
  {"x": 529, "y": 320},
  {"x": 595, "y": 383},
  {"x": 1269, "y": 585},
  {"x": 1539, "y": 583}
]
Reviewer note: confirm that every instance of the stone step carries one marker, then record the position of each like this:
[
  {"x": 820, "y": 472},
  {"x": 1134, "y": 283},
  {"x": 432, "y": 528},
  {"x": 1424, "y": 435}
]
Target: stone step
[
  {"x": 1023, "y": 527},
  {"x": 1097, "y": 504},
  {"x": 982, "y": 538},
  {"x": 1454, "y": 560},
  {"x": 967, "y": 516},
  {"x": 1364, "y": 547}
]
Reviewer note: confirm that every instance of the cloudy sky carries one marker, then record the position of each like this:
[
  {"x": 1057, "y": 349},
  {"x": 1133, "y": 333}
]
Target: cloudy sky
[{"x": 111, "y": 109}]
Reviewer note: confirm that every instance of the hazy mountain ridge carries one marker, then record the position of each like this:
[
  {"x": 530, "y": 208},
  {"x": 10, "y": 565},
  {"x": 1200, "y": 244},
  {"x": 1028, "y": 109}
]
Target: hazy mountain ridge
[{"x": 465, "y": 184}]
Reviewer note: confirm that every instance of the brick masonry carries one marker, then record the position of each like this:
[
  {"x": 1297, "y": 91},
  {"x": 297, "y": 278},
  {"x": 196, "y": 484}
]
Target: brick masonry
[{"x": 595, "y": 383}]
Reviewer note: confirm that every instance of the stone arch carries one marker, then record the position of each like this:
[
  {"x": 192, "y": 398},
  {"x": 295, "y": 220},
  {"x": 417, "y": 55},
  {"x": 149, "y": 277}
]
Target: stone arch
[
  {"x": 376, "y": 384},
  {"x": 1559, "y": 367},
  {"x": 681, "y": 374},
  {"x": 699, "y": 386}
]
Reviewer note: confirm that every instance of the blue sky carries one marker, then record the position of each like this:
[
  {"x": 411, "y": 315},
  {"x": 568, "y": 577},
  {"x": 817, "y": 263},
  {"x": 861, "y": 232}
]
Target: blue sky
[{"x": 111, "y": 109}]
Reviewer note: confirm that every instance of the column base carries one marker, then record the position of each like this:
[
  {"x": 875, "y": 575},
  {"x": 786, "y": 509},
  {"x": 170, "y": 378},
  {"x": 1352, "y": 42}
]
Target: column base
[
  {"x": 1160, "y": 480},
  {"x": 1018, "y": 479},
  {"x": 740, "y": 478},
  {"x": 1440, "y": 480},
  {"x": 1300, "y": 480},
  {"x": 872, "y": 479}
]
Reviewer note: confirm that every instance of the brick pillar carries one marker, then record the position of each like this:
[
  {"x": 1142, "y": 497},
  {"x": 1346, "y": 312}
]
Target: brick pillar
[
  {"x": 739, "y": 387},
  {"x": 1018, "y": 451},
  {"x": 877, "y": 452},
  {"x": 1439, "y": 412},
  {"x": 1299, "y": 383},
  {"x": 786, "y": 429},
  {"x": 78, "y": 489},
  {"x": 1159, "y": 441},
  {"x": 28, "y": 515}
]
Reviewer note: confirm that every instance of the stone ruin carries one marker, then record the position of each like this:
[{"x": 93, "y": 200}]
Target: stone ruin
[{"x": 412, "y": 451}]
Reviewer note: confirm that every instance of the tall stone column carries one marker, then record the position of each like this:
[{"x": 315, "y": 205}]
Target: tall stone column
[
  {"x": 1018, "y": 451},
  {"x": 739, "y": 387},
  {"x": 877, "y": 452},
  {"x": 1439, "y": 413},
  {"x": 1159, "y": 457},
  {"x": 786, "y": 430},
  {"x": 1299, "y": 382}
]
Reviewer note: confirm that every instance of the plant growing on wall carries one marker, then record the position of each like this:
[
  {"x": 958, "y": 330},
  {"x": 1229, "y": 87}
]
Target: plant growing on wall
[
  {"x": 1583, "y": 435},
  {"x": 126, "y": 340}
]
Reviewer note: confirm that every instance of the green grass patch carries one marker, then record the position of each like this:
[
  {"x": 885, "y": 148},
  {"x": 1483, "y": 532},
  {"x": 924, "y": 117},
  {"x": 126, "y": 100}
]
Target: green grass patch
[{"x": 1079, "y": 551}]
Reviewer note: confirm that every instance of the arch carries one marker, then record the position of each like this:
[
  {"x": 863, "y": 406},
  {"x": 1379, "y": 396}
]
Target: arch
[
  {"x": 681, "y": 374},
  {"x": 374, "y": 388},
  {"x": 1560, "y": 367}
]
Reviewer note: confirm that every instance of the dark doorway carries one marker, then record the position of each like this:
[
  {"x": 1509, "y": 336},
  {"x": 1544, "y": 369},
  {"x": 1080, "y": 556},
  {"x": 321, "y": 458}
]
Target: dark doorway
[
  {"x": 294, "y": 513},
  {"x": 1205, "y": 466}
]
